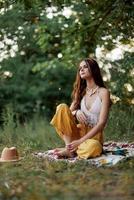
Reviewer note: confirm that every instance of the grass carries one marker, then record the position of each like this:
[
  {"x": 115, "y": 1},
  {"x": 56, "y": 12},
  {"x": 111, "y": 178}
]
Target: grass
[{"x": 37, "y": 179}]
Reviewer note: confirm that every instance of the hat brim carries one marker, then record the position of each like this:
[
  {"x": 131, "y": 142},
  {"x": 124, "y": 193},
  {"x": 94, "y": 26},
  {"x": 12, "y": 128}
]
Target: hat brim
[{"x": 2, "y": 160}]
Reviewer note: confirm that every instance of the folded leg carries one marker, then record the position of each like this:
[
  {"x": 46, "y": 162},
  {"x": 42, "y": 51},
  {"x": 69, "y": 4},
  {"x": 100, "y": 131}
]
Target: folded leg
[
  {"x": 89, "y": 149},
  {"x": 65, "y": 124}
]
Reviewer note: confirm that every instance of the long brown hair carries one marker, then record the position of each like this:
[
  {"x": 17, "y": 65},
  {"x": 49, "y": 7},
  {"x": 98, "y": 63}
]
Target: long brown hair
[{"x": 79, "y": 87}]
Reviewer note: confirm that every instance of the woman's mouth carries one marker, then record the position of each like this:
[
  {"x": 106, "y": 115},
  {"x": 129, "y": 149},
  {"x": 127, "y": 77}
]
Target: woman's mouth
[{"x": 82, "y": 74}]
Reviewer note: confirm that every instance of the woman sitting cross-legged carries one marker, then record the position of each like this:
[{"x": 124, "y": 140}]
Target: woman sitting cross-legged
[{"x": 82, "y": 124}]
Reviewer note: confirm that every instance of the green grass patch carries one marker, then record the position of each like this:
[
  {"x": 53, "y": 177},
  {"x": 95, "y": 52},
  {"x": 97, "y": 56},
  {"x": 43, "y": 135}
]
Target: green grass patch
[{"x": 39, "y": 179}]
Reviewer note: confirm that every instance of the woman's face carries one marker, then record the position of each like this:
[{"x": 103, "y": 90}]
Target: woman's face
[{"x": 84, "y": 71}]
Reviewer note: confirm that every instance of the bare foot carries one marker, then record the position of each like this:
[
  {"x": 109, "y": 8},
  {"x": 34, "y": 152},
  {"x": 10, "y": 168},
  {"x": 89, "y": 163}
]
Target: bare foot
[
  {"x": 64, "y": 153},
  {"x": 59, "y": 149}
]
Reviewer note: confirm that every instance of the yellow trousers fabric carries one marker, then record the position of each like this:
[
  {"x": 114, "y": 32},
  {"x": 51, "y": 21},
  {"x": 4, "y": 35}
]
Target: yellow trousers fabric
[{"x": 65, "y": 124}]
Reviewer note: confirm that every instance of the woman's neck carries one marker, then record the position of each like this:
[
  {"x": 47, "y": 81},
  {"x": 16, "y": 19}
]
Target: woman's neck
[{"x": 91, "y": 84}]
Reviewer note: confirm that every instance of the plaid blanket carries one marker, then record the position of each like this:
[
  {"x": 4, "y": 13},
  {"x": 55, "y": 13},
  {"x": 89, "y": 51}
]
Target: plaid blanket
[{"x": 113, "y": 152}]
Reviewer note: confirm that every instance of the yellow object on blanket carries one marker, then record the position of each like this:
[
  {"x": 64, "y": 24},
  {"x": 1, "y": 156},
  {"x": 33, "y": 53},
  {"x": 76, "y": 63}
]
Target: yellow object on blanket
[{"x": 65, "y": 124}]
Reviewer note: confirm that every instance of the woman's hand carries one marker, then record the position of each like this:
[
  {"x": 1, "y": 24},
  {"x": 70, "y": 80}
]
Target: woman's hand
[
  {"x": 73, "y": 145},
  {"x": 74, "y": 112},
  {"x": 81, "y": 117}
]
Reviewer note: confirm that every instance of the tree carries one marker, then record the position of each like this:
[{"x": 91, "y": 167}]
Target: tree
[{"x": 42, "y": 42}]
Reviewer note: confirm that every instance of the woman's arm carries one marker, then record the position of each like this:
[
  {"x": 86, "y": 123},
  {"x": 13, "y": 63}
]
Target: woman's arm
[
  {"x": 78, "y": 114},
  {"x": 72, "y": 108},
  {"x": 105, "y": 96}
]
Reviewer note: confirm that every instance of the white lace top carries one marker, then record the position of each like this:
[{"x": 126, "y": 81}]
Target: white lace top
[{"x": 93, "y": 113}]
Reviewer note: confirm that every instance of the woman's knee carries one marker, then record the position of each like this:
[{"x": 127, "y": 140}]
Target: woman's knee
[
  {"x": 94, "y": 145},
  {"x": 89, "y": 148},
  {"x": 62, "y": 106}
]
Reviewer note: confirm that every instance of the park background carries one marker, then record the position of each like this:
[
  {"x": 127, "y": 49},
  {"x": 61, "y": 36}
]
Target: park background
[{"x": 41, "y": 45}]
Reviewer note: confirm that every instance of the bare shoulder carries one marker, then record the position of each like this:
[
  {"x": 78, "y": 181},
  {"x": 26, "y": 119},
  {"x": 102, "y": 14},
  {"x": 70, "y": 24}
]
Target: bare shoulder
[{"x": 104, "y": 93}]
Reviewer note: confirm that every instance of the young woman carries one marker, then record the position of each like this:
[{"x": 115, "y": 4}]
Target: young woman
[{"x": 81, "y": 126}]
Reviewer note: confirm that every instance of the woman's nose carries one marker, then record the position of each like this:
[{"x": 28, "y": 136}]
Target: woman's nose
[{"x": 82, "y": 69}]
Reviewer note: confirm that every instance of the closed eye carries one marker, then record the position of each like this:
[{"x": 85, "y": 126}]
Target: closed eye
[{"x": 84, "y": 66}]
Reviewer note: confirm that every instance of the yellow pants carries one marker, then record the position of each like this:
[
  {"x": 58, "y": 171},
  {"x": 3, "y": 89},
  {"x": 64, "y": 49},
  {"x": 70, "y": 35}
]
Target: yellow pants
[{"x": 65, "y": 124}]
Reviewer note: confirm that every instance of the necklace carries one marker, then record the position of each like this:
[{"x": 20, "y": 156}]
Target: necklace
[{"x": 91, "y": 91}]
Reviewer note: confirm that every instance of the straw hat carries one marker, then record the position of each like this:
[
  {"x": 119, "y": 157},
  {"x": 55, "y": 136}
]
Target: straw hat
[{"x": 9, "y": 155}]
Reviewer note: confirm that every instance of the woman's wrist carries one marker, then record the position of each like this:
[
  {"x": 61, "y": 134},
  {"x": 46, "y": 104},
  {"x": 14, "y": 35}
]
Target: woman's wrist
[
  {"x": 81, "y": 140},
  {"x": 76, "y": 113}
]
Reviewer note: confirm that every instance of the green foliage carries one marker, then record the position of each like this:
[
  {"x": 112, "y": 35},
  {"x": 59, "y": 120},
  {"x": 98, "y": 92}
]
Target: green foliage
[
  {"x": 32, "y": 134},
  {"x": 41, "y": 53},
  {"x": 37, "y": 133},
  {"x": 8, "y": 124},
  {"x": 120, "y": 126},
  {"x": 121, "y": 73},
  {"x": 39, "y": 87}
]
